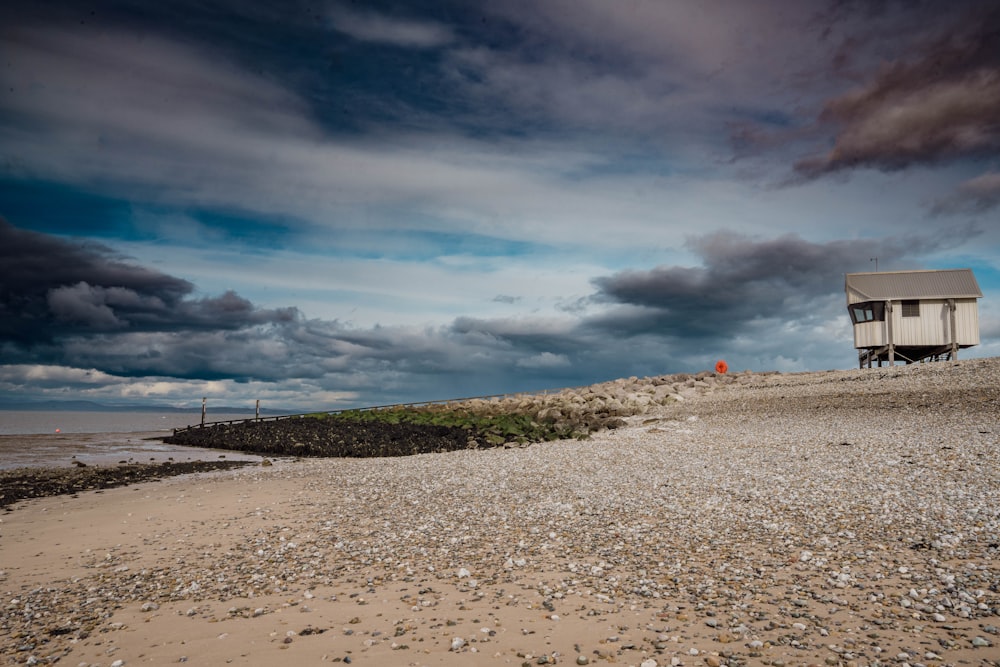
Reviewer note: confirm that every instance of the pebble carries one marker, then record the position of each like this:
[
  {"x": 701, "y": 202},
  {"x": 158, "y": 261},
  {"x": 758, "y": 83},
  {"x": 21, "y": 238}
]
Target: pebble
[{"x": 740, "y": 500}]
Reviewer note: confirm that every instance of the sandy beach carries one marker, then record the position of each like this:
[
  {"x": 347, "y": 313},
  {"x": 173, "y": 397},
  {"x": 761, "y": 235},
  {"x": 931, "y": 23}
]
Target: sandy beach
[{"x": 830, "y": 518}]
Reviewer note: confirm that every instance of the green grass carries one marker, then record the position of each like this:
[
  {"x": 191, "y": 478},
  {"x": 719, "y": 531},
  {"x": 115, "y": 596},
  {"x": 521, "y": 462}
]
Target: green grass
[{"x": 496, "y": 429}]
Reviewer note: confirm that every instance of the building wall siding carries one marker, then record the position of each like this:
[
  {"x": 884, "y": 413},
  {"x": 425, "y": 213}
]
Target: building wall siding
[
  {"x": 932, "y": 327},
  {"x": 869, "y": 334},
  {"x": 967, "y": 321}
]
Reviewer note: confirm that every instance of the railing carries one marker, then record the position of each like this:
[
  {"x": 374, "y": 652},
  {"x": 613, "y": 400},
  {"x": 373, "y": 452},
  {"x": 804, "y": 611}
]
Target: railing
[{"x": 417, "y": 404}]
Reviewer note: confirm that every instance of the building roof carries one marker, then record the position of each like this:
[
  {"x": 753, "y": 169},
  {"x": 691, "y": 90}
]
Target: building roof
[{"x": 885, "y": 285}]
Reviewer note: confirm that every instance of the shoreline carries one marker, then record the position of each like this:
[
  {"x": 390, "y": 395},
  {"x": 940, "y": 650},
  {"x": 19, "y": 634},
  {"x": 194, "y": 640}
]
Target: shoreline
[{"x": 835, "y": 518}]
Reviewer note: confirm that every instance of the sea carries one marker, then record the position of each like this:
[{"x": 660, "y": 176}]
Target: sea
[{"x": 60, "y": 438}]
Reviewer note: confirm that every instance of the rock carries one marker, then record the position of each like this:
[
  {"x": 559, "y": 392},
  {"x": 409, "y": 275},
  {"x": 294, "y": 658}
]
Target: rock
[{"x": 22, "y": 483}]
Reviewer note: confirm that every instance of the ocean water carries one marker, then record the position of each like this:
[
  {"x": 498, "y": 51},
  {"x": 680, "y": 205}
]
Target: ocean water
[{"x": 58, "y": 438}]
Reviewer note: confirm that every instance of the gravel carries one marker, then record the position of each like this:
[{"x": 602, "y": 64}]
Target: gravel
[{"x": 779, "y": 507}]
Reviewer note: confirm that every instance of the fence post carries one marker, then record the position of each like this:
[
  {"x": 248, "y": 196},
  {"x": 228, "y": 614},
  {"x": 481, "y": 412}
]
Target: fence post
[{"x": 257, "y": 412}]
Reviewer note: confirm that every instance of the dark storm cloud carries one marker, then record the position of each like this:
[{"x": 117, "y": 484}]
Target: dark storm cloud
[
  {"x": 940, "y": 105},
  {"x": 740, "y": 281},
  {"x": 52, "y": 289},
  {"x": 526, "y": 335},
  {"x": 81, "y": 306}
]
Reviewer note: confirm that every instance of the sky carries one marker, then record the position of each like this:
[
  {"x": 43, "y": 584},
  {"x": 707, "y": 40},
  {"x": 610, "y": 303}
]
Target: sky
[{"x": 326, "y": 204}]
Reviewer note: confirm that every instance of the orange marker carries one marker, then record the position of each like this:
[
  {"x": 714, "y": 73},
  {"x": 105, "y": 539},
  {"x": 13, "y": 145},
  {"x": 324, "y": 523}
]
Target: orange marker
[{"x": 721, "y": 367}]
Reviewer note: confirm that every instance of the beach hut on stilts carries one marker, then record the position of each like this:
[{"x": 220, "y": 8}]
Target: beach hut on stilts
[{"x": 912, "y": 316}]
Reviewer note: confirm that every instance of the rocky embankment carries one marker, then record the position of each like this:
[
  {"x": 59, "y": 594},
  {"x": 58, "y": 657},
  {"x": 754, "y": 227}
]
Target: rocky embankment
[
  {"x": 472, "y": 424},
  {"x": 23, "y": 483}
]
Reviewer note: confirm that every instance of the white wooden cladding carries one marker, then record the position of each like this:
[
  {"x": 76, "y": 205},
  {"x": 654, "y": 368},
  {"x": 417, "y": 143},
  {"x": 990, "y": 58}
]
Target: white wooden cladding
[{"x": 932, "y": 327}]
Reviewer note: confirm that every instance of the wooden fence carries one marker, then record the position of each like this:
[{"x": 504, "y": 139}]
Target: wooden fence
[{"x": 418, "y": 404}]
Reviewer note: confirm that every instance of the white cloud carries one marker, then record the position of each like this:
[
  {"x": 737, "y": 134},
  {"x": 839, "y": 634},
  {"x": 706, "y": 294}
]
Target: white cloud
[
  {"x": 242, "y": 142},
  {"x": 976, "y": 195},
  {"x": 14, "y": 375},
  {"x": 373, "y": 27},
  {"x": 986, "y": 185},
  {"x": 544, "y": 360},
  {"x": 34, "y": 382},
  {"x": 676, "y": 54},
  {"x": 368, "y": 291}
]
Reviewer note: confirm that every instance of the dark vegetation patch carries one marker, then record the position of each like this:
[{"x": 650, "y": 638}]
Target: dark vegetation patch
[{"x": 23, "y": 483}]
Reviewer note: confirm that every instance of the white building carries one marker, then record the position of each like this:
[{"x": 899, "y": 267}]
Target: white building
[{"x": 912, "y": 315}]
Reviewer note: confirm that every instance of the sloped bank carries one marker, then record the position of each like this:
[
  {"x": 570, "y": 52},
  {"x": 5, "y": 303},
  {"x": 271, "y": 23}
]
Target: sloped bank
[{"x": 477, "y": 423}]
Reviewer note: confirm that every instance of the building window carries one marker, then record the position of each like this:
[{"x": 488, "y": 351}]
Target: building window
[
  {"x": 862, "y": 314},
  {"x": 868, "y": 311},
  {"x": 911, "y": 308}
]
